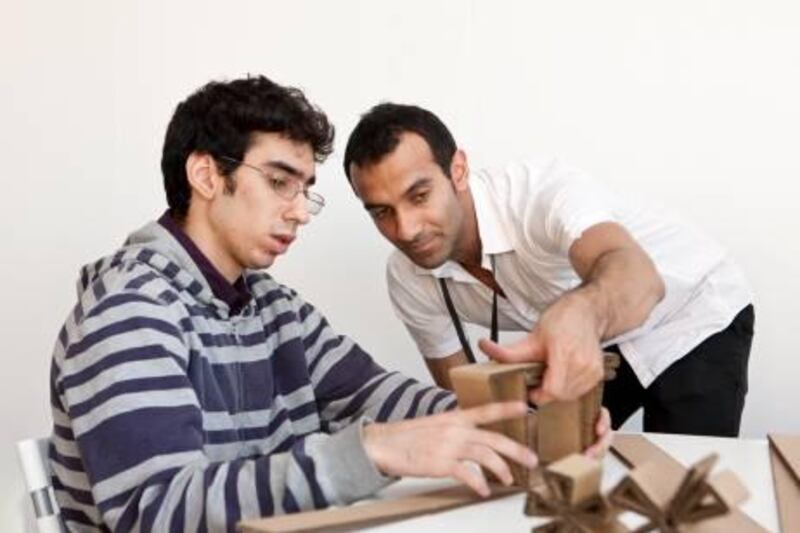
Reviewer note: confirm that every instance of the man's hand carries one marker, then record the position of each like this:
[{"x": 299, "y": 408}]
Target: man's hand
[
  {"x": 567, "y": 339},
  {"x": 449, "y": 444},
  {"x": 620, "y": 288},
  {"x": 604, "y": 436}
]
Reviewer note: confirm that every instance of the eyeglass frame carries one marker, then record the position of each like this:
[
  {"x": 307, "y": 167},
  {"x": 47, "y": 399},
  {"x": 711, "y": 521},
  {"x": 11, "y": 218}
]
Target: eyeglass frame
[{"x": 314, "y": 201}]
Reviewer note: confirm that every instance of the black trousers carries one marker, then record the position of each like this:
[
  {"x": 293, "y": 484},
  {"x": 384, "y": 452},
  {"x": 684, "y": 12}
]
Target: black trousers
[{"x": 700, "y": 394}]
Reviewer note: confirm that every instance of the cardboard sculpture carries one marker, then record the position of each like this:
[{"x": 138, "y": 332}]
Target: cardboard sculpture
[
  {"x": 557, "y": 429},
  {"x": 784, "y": 454},
  {"x": 571, "y": 495},
  {"x": 572, "y": 485},
  {"x": 673, "y": 498}
]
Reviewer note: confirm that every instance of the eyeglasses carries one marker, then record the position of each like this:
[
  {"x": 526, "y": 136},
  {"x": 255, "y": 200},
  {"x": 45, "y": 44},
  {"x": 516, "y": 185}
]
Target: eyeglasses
[{"x": 286, "y": 187}]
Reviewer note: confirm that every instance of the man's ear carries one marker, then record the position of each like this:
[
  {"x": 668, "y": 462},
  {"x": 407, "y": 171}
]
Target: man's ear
[
  {"x": 459, "y": 170},
  {"x": 201, "y": 171}
]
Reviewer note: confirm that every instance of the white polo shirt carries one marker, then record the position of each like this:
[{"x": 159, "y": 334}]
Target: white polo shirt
[{"x": 529, "y": 214}]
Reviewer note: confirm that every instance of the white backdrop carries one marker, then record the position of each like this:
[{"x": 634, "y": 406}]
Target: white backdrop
[{"x": 690, "y": 104}]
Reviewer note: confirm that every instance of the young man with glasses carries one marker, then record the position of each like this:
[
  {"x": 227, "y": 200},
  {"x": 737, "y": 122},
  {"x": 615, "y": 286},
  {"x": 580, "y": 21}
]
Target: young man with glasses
[
  {"x": 539, "y": 247},
  {"x": 191, "y": 390}
]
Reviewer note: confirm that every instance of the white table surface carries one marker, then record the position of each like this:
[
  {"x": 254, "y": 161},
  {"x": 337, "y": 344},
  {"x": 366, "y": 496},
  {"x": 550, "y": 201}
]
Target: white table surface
[{"x": 748, "y": 458}]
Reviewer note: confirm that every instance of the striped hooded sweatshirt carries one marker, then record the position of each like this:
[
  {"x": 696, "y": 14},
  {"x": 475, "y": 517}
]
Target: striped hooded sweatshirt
[{"x": 172, "y": 413}]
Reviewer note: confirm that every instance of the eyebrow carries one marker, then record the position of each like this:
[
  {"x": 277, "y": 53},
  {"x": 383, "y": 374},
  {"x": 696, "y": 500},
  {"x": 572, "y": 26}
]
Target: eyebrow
[
  {"x": 420, "y": 182},
  {"x": 289, "y": 169}
]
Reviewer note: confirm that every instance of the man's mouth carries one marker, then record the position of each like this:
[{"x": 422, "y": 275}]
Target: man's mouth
[
  {"x": 422, "y": 247},
  {"x": 285, "y": 238},
  {"x": 282, "y": 241}
]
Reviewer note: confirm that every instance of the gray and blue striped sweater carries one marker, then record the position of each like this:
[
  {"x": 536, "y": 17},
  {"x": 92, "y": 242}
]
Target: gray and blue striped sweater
[{"x": 171, "y": 414}]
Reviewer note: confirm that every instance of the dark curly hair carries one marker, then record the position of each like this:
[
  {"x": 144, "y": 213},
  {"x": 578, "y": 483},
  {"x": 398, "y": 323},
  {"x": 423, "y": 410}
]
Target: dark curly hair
[
  {"x": 220, "y": 119},
  {"x": 378, "y": 132}
]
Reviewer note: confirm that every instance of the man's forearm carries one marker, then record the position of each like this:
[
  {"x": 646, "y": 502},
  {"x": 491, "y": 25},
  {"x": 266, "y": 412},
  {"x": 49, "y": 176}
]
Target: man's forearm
[{"x": 621, "y": 290}]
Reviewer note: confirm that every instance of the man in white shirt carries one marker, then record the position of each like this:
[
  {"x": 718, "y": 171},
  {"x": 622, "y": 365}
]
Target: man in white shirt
[{"x": 543, "y": 248}]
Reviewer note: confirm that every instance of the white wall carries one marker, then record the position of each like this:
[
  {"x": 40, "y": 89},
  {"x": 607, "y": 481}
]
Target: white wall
[{"x": 692, "y": 104}]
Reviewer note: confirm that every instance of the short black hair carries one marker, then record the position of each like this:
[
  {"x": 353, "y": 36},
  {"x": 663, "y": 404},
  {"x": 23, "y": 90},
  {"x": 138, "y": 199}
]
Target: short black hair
[
  {"x": 378, "y": 132},
  {"x": 220, "y": 119}
]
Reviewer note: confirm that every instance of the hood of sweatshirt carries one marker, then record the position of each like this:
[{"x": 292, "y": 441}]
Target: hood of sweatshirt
[{"x": 154, "y": 246}]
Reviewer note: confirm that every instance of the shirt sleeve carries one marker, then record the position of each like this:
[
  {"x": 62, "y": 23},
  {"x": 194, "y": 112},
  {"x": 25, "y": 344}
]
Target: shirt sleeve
[
  {"x": 126, "y": 411},
  {"x": 562, "y": 205},
  {"x": 418, "y": 302},
  {"x": 349, "y": 385}
]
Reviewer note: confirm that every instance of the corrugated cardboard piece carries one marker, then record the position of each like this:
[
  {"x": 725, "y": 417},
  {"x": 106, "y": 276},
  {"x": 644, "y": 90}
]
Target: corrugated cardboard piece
[
  {"x": 571, "y": 494},
  {"x": 674, "y": 498},
  {"x": 784, "y": 454},
  {"x": 479, "y": 384},
  {"x": 558, "y": 429},
  {"x": 367, "y": 514}
]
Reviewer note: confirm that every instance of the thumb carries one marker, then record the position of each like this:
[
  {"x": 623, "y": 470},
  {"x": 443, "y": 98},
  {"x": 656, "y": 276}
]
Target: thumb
[
  {"x": 540, "y": 397},
  {"x": 522, "y": 351}
]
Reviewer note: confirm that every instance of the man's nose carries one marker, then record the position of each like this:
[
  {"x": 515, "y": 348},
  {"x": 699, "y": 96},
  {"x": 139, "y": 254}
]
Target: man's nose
[
  {"x": 407, "y": 226},
  {"x": 298, "y": 209}
]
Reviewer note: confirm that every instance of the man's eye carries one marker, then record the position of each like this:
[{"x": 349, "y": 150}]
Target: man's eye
[
  {"x": 378, "y": 214},
  {"x": 420, "y": 198},
  {"x": 280, "y": 185}
]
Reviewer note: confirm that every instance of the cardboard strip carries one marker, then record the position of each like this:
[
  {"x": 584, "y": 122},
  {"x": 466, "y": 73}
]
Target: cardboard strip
[
  {"x": 636, "y": 450},
  {"x": 733, "y": 522},
  {"x": 730, "y": 487},
  {"x": 560, "y": 430},
  {"x": 592, "y": 403},
  {"x": 374, "y": 513},
  {"x": 788, "y": 446},
  {"x": 784, "y": 455}
]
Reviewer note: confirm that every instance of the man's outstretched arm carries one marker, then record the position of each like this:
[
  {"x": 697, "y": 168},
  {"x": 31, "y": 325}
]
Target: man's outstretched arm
[{"x": 620, "y": 288}]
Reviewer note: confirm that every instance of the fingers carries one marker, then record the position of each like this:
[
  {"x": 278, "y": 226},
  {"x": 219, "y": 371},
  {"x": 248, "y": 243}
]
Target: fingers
[
  {"x": 494, "y": 412},
  {"x": 486, "y": 447},
  {"x": 591, "y": 373},
  {"x": 604, "y": 431},
  {"x": 540, "y": 396},
  {"x": 604, "y": 422},
  {"x": 523, "y": 351},
  {"x": 595, "y": 452},
  {"x": 554, "y": 382},
  {"x": 448, "y": 446},
  {"x": 503, "y": 354},
  {"x": 604, "y": 436},
  {"x": 492, "y": 462},
  {"x": 472, "y": 477},
  {"x": 485, "y": 450},
  {"x": 569, "y": 375},
  {"x": 507, "y": 447}
]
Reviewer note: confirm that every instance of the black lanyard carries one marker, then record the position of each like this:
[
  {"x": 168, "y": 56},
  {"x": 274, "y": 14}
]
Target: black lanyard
[{"x": 457, "y": 321}]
